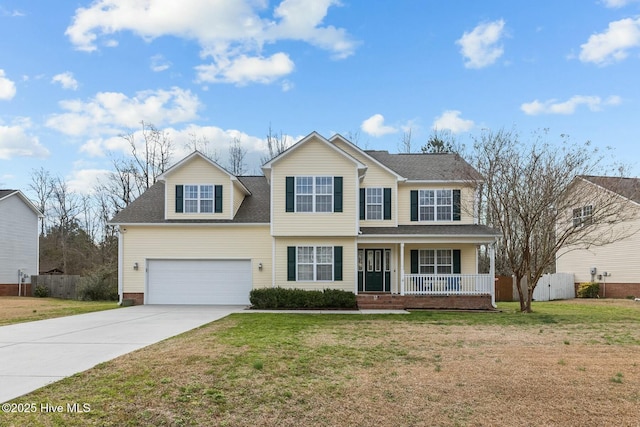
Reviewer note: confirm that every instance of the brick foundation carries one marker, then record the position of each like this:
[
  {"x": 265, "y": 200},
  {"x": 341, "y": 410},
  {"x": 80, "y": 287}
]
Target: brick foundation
[
  {"x": 618, "y": 290},
  {"x": 137, "y": 297},
  {"x": 400, "y": 302},
  {"x": 11, "y": 290}
]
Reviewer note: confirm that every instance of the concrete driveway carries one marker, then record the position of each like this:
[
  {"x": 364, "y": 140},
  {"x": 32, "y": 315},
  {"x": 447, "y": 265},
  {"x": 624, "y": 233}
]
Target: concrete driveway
[{"x": 35, "y": 354}]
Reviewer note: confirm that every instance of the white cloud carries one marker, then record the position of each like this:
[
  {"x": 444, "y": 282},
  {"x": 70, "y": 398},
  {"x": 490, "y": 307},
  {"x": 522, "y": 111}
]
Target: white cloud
[
  {"x": 242, "y": 69},
  {"x": 230, "y": 32},
  {"x": 84, "y": 181},
  {"x": 553, "y": 106},
  {"x": 7, "y": 87},
  {"x": 159, "y": 63},
  {"x": 613, "y": 44},
  {"x": 66, "y": 80},
  {"x": 451, "y": 120},
  {"x": 481, "y": 47},
  {"x": 110, "y": 112},
  {"x": 616, "y": 4},
  {"x": 15, "y": 141},
  {"x": 375, "y": 126}
]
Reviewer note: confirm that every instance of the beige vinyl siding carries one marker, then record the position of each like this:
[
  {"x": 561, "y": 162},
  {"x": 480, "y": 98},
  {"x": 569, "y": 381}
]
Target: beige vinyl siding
[
  {"x": 621, "y": 259},
  {"x": 467, "y": 195},
  {"x": 468, "y": 263},
  {"x": 198, "y": 172},
  {"x": 195, "y": 242},
  {"x": 349, "y": 279},
  {"x": 238, "y": 198},
  {"x": 314, "y": 158}
]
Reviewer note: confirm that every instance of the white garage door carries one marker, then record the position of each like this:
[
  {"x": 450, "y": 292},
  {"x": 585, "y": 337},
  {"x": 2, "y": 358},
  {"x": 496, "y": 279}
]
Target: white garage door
[{"x": 198, "y": 282}]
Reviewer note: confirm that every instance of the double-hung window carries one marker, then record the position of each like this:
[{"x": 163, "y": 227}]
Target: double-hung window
[
  {"x": 314, "y": 263},
  {"x": 374, "y": 203},
  {"x": 582, "y": 216},
  {"x": 198, "y": 198},
  {"x": 314, "y": 194},
  {"x": 435, "y": 205},
  {"x": 435, "y": 261}
]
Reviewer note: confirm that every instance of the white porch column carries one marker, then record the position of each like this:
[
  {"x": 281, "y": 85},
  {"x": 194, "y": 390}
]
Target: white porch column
[
  {"x": 402, "y": 268},
  {"x": 492, "y": 273}
]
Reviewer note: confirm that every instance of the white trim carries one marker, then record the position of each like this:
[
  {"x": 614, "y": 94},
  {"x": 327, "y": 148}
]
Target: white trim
[
  {"x": 120, "y": 265},
  {"x": 440, "y": 181},
  {"x": 190, "y": 224},
  {"x": 368, "y": 156},
  {"x": 198, "y": 199}
]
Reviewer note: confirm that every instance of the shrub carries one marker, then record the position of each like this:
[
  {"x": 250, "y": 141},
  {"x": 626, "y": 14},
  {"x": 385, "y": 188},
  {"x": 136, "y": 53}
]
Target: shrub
[
  {"x": 588, "y": 290},
  {"x": 295, "y": 299},
  {"x": 41, "y": 291},
  {"x": 99, "y": 285}
]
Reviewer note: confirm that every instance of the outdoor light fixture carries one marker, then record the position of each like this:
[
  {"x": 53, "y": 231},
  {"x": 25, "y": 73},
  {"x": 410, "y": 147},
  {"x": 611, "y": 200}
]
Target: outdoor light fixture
[
  {"x": 135, "y": 265},
  {"x": 260, "y": 266}
]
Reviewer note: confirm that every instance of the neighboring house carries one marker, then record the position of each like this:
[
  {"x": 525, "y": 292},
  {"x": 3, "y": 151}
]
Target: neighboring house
[
  {"x": 616, "y": 266},
  {"x": 18, "y": 242},
  {"x": 326, "y": 214}
]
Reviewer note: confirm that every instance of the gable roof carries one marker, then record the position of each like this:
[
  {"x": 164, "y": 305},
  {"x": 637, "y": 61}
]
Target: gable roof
[
  {"x": 628, "y": 188},
  {"x": 197, "y": 154},
  {"x": 149, "y": 207},
  {"x": 364, "y": 153},
  {"x": 428, "y": 167},
  {"x": 5, "y": 194}
]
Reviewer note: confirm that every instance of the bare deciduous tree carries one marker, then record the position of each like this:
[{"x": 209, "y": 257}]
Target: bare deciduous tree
[
  {"x": 151, "y": 158},
  {"x": 42, "y": 187},
  {"x": 404, "y": 146},
  {"x": 236, "y": 156},
  {"x": 276, "y": 144},
  {"x": 204, "y": 146},
  {"x": 528, "y": 195},
  {"x": 442, "y": 141}
]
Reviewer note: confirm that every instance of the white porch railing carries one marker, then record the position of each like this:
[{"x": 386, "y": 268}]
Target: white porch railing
[{"x": 448, "y": 284}]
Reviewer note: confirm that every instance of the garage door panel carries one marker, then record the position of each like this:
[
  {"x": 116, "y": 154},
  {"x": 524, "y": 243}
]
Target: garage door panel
[{"x": 199, "y": 282}]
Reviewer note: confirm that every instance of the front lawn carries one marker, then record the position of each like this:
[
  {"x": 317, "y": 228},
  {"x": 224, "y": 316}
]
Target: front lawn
[
  {"x": 571, "y": 363},
  {"x": 26, "y": 309}
]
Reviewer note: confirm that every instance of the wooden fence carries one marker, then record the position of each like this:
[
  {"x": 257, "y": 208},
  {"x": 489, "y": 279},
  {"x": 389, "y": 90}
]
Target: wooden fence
[{"x": 65, "y": 287}]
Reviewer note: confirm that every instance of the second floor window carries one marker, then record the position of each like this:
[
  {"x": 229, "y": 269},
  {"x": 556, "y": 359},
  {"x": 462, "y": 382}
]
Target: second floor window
[
  {"x": 314, "y": 194},
  {"x": 583, "y": 216},
  {"x": 435, "y": 205},
  {"x": 198, "y": 198},
  {"x": 374, "y": 203}
]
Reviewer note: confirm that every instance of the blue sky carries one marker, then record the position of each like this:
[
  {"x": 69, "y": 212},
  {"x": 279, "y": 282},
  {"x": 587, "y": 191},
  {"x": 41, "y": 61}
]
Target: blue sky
[{"x": 74, "y": 76}]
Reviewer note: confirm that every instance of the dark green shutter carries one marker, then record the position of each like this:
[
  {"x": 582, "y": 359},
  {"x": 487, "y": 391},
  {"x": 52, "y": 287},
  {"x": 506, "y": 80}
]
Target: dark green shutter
[
  {"x": 291, "y": 263},
  {"x": 456, "y": 262},
  {"x": 414, "y": 261},
  {"x": 414, "y": 205},
  {"x": 387, "y": 203},
  {"x": 363, "y": 195},
  {"x": 337, "y": 194},
  {"x": 337, "y": 263},
  {"x": 456, "y": 205},
  {"x": 179, "y": 198},
  {"x": 218, "y": 199},
  {"x": 290, "y": 190}
]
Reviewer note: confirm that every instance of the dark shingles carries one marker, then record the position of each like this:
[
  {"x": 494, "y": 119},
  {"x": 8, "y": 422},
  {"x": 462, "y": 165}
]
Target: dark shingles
[
  {"x": 432, "y": 230},
  {"x": 428, "y": 167},
  {"x": 5, "y": 193},
  {"x": 149, "y": 207},
  {"x": 626, "y": 187}
]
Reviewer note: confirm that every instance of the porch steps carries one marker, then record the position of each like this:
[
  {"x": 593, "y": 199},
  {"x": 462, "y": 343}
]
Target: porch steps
[{"x": 381, "y": 301}]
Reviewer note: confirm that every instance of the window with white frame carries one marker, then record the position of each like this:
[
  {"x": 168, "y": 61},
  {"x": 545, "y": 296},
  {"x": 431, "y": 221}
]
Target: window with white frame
[
  {"x": 315, "y": 263},
  {"x": 198, "y": 198},
  {"x": 583, "y": 216},
  {"x": 435, "y": 205},
  {"x": 314, "y": 194},
  {"x": 374, "y": 201},
  {"x": 435, "y": 261}
]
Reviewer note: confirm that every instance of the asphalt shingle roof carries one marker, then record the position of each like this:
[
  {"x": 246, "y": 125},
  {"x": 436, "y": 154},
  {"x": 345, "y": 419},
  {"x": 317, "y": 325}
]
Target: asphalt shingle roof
[
  {"x": 428, "y": 167},
  {"x": 432, "y": 230},
  {"x": 626, "y": 187},
  {"x": 5, "y": 193}
]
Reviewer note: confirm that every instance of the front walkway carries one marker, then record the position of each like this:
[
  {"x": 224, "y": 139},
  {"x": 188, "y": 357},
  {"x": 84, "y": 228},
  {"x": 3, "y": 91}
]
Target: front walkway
[{"x": 34, "y": 354}]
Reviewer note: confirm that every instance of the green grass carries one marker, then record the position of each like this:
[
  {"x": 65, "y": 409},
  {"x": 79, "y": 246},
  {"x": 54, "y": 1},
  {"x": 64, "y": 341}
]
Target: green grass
[{"x": 26, "y": 309}]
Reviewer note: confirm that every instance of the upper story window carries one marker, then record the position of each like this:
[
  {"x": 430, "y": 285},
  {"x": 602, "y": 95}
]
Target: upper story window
[
  {"x": 583, "y": 216},
  {"x": 203, "y": 198},
  {"x": 314, "y": 194},
  {"x": 374, "y": 203},
  {"x": 435, "y": 205}
]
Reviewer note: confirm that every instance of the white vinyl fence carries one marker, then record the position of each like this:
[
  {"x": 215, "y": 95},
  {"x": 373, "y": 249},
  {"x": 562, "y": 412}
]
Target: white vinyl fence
[{"x": 551, "y": 287}]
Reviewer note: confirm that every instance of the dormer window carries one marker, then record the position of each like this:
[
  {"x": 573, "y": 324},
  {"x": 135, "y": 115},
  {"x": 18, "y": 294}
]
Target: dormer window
[{"x": 200, "y": 198}]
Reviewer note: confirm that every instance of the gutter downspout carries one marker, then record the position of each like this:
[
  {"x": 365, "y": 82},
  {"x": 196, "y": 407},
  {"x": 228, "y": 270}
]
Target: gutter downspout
[{"x": 120, "y": 264}]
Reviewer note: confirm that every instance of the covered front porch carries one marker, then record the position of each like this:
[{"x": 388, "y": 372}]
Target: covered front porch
[{"x": 400, "y": 267}]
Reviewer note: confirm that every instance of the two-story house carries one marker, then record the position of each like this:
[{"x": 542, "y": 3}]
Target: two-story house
[
  {"x": 326, "y": 214},
  {"x": 19, "y": 220}
]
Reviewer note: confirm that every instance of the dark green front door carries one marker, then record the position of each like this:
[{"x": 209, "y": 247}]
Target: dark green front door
[{"x": 374, "y": 270}]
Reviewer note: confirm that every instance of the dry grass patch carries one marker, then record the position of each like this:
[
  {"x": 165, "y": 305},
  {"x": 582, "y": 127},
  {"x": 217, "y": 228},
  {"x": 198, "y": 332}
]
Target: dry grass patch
[
  {"x": 26, "y": 309},
  {"x": 460, "y": 369}
]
